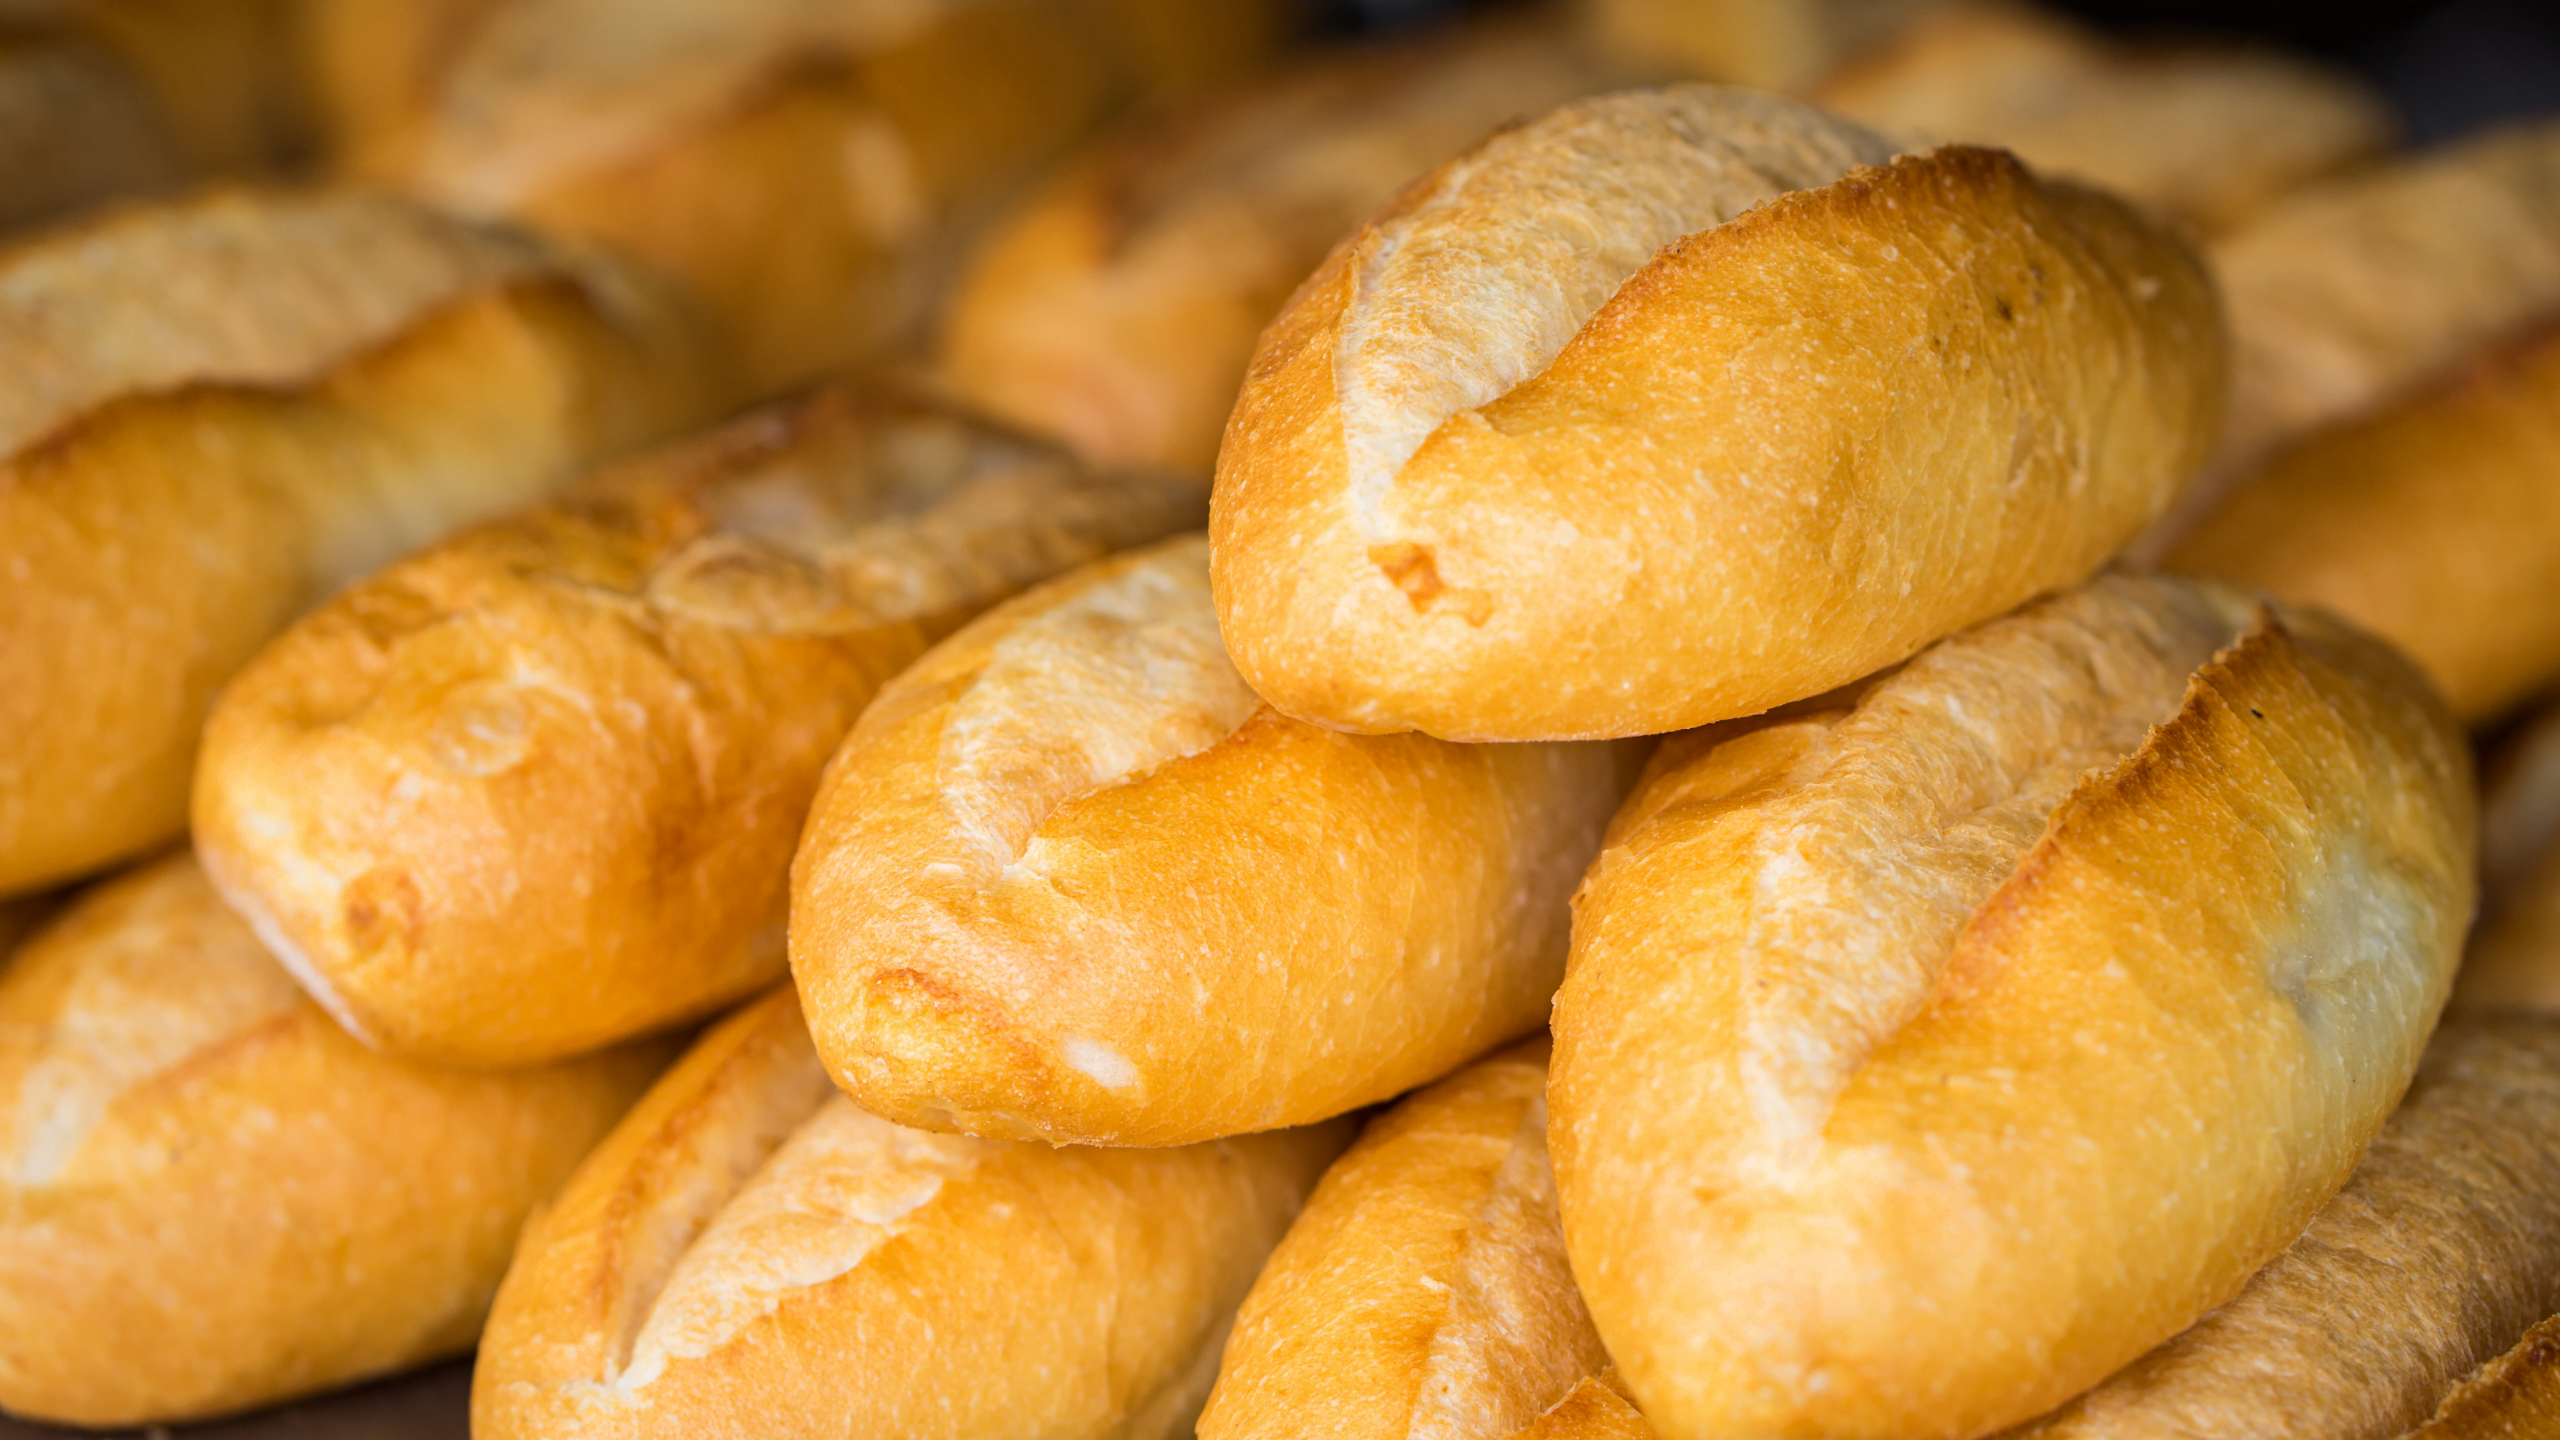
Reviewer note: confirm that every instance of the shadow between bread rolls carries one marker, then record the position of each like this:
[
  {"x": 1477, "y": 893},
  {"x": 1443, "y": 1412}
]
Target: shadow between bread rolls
[
  {"x": 750, "y": 1252},
  {"x": 1069, "y": 879},
  {"x": 214, "y": 1199},
  {"x": 667, "y": 655},
  {"x": 1534, "y": 457},
  {"x": 1931, "y": 1050}
]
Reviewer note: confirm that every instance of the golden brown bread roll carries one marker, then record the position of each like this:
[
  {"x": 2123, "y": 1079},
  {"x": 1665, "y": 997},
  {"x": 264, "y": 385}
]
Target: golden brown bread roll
[
  {"x": 2514, "y": 1397},
  {"x": 669, "y": 653},
  {"x": 2443, "y": 1245},
  {"x": 1765, "y": 44},
  {"x": 1493, "y": 481},
  {"x": 225, "y": 408},
  {"x": 2210, "y": 133},
  {"x": 1069, "y": 879},
  {"x": 76, "y": 127},
  {"x": 1117, "y": 309},
  {"x": 802, "y": 169},
  {"x": 214, "y": 1199},
  {"x": 1424, "y": 1291},
  {"x": 1931, "y": 1051},
  {"x": 2435, "y": 524},
  {"x": 748, "y": 1243}
]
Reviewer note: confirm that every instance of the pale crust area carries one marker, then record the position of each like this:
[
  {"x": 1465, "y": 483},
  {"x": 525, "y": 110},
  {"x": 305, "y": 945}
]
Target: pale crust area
[
  {"x": 2514, "y": 1397},
  {"x": 750, "y": 1254},
  {"x": 1424, "y": 1293},
  {"x": 1789, "y": 449},
  {"x": 2435, "y": 524},
  {"x": 1806, "y": 1193},
  {"x": 183, "y": 511},
  {"x": 2209, "y": 133},
  {"x": 1117, "y": 310},
  {"x": 2444, "y": 1244},
  {"x": 669, "y": 653},
  {"x": 1069, "y": 880},
  {"x": 211, "y": 1199}
]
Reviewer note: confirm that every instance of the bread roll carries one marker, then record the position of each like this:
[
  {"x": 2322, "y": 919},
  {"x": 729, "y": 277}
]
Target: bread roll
[
  {"x": 1491, "y": 480},
  {"x": 76, "y": 127},
  {"x": 666, "y": 657},
  {"x": 1931, "y": 1051},
  {"x": 226, "y": 408},
  {"x": 214, "y": 1199},
  {"x": 2210, "y": 133},
  {"x": 748, "y": 1243},
  {"x": 2514, "y": 1397},
  {"x": 2435, "y": 524},
  {"x": 1070, "y": 880},
  {"x": 1424, "y": 1291},
  {"x": 2514, "y": 960},
  {"x": 1118, "y": 308},
  {"x": 802, "y": 169},
  {"x": 1765, "y": 44},
  {"x": 2444, "y": 1244}
]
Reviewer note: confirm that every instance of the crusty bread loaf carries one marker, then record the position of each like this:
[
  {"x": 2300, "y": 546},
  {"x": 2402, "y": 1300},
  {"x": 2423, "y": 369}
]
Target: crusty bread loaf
[
  {"x": 1494, "y": 481},
  {"x": 1424, "y": 1291},
  {"x": 750, "y": 1254},
  {"x": 1596, "y": 1408},
  {"x": 1931, "y": 1051},
  {"x": 1765, "y": 44},
  {"x": 2435, "y": 523},
  {"x": 2514, "y": 960},
  {"x": 76, "y": 127},
  {"x": 2514, "y": 1397},
  {"x": 1118, "y": 308},
  {"x": 2444, "y": 1244},
  {"x": 803, "y": 170},
  {"x": 213, "y": 1199},
  {"x": 669, "y": 654},
  {"x": 1070, "y": 880},
  {"x": 2210, "y": 133},
  {"x": 220, "y": 410}
]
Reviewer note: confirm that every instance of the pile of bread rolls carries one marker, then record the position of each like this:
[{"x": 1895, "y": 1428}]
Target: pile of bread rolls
[{"x": 1045, "y": 718}]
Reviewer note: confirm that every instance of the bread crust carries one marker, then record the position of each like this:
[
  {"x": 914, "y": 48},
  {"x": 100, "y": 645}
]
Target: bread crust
[
  {"x": 670, "y": 653},
  {"x": 2513, "y": 1397},
  {"x": 2443, "y": 1245},
  {"x": 214, "y": 1199},
  {"x": 2130, "y": 877},
  {"x": 1746, "y": 475},
  {"x": 2435, "y": 524},
  {"x": 237, "y": 415},
  {"x": 1596, "y": 1408},
  {"x": 749, "y": 1254},
  {"x": 1069, "y": 879},
  {"x": 1424, "y": 1290},
  {"x": 1118, "y": 308}
]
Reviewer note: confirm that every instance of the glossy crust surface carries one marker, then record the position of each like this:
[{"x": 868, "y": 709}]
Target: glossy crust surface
[
  {"x": 232, "y": 406},
  {"x": 1930, "y": 1052},
  {"x": 749, "y": 1254},
  {"x": 2434, "y": 523},
  {"x": 2444, "y": 1244},
  {"x": 214, "y": 1200},
  {"x": 1069, "y": 879},
  {"x": 1492, "y": 481},
  {"x": 1424, "y": 1292},
  {"x": 669, "y": 654},
  {"x": 2514, "y": 1397}
]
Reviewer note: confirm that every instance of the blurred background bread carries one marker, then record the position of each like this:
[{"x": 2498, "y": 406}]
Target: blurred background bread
[
  {"x": 214, "y": 1199},
  {"x": 1764, "y": 44},
  {"x": 668, "y": 653},
  {"x": 2514, "y": 963}
]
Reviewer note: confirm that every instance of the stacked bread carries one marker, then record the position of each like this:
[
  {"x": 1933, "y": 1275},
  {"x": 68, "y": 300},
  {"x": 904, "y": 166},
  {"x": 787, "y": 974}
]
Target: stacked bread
[{"x": 1442, "y": 772}]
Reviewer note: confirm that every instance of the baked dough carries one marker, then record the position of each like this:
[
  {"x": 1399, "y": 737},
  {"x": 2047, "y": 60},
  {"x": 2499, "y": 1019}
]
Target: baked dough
[
  {"x": 1492, "y": 480},
  {"x": 2514, "y": 1397},
  {"x": 2514, "y": 960},
  {"x": 1931, "y": 1051}
]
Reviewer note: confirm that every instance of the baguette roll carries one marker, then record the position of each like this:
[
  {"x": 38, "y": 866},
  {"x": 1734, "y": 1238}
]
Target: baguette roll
[
  {"x": 224, "y": 409},
  {"x": 1424, "y": 1291},
  {"x": 2435, "y": 524},
  {"x": 2442, "y": 1247},
  {"x": 1118, "y": 309},
  {"x": 1493, "y": 481},
  {"x": 214, "y": 1199},
  {"x": 2514, "y": 959},
  {"x": 802, "y": 170},
  {"x": 750, "y": 1244},
  {"x": 669, "y": 654},
  {"x": 1931, "y": 1051},
  {"x": 76, "y": 127},
  {"x": 1069, "y": 880},
  {"x": 2209, "y": 133},
  {"x": 1765, "y": 44},
  {"x": 2514, "y": 1397}
]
